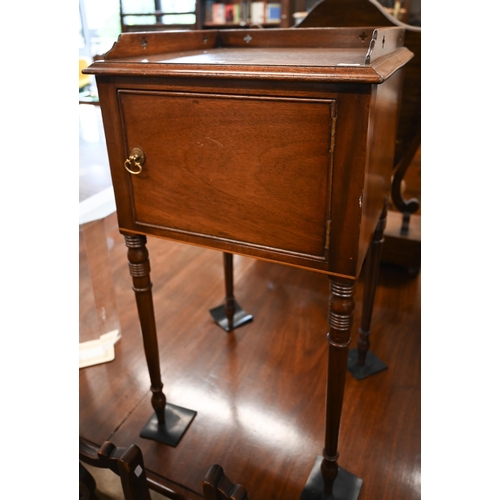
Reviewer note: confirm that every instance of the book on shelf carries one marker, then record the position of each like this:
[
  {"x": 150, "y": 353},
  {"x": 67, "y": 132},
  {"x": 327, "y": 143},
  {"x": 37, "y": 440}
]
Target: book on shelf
[
  {"x": 242, "y": 12},
  {"x": 219, "y": 13},
  {"x": 258, "y": 12},
  {"x": 273, "y": 12},
  {"x": 208, "y": 10},
  {"x": 245, "y": 14},
  {"x": 233, "y": 13}
]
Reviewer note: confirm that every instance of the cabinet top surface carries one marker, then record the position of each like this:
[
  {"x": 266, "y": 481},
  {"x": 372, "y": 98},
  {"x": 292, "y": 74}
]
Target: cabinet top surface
[
  {"x": 320, "y": 57},
  {"x": 330, "y": 54}
]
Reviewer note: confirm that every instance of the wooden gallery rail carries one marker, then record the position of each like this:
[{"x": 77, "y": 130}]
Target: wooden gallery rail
[{"x": 274, "y": 144}]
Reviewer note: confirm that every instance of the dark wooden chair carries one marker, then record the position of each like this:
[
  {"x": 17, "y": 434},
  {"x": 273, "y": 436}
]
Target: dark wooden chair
[
  {"x": 128, "y": 464},
  {"x": 352, "y": 13},
  {"x": 217, "y": 486}
]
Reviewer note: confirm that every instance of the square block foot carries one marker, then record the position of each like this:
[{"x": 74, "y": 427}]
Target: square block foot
[
  {"x": 177, "y": 421},
  {"x": 345, "y": 487},
  {"x": 372, "y": 365},
  {"x": 240, "y": 317}
]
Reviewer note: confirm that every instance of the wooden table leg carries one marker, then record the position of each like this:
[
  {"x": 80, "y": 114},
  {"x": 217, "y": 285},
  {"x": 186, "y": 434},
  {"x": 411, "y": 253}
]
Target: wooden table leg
[
  {"x": 362, "y": 362},
  {"x": 229, "y": 315},
  {"x": 229, "y": 301},
  {"x": 327, "y": 480},
  {"x": 169, "y": 422}
]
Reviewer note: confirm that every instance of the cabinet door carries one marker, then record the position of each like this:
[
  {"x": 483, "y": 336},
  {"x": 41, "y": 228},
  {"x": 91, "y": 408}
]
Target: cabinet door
[{"x": 251, "y": 170}]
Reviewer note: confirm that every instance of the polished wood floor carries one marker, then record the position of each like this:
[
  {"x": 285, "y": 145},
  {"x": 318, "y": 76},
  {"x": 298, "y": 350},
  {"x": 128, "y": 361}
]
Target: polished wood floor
[{"x": 259, "y": 391}]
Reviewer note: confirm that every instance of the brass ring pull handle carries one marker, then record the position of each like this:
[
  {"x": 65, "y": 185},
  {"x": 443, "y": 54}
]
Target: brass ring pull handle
[{"x": 133, "y": 164}]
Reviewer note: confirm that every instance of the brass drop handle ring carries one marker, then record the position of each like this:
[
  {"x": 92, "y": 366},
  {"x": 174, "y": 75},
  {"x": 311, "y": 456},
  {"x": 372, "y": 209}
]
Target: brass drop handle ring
[{"x": 133, "y": 164}]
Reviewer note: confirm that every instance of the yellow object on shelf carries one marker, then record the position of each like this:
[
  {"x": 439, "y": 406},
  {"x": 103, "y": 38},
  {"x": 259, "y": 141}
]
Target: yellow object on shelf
[{"x": 84, "y": 79}]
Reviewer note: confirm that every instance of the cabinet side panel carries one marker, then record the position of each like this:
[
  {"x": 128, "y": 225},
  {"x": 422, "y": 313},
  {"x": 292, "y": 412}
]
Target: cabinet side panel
[
  {"x": 382, "y": 142},
  {"x": 350, "y": 160}
]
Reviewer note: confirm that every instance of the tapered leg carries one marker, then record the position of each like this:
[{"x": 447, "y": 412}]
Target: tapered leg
[
  {"x": 139, "y": 270},
  {"x": 169, "y": 422},
  {"x": 229, "y": 302},
  {"x": 327, "y": 479},
  {"x": 229, "y": 315},
  {"x": 371, "y": 279},
  {"x": 362, "y": 362}
]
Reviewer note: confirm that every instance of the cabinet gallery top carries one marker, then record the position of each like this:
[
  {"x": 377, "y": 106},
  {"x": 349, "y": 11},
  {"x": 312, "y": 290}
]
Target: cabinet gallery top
[{"x": 362, "y": 55}]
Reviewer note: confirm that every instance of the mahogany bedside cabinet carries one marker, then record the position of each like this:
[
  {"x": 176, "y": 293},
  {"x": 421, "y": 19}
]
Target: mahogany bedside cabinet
[{"x": 275, "y": 144}]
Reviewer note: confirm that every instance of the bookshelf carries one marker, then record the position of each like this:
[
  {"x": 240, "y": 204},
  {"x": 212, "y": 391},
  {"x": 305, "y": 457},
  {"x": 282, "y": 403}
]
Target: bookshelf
[
  {"x": 206, "y": 14},
  {"x": 245, "y": 13}
]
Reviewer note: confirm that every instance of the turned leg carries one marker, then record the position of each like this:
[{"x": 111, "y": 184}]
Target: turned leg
[
  {"x": 230, "y": 315},
  {"x": 371, "y": 279},
  {"x": 139, "y": 267},
  {"x": 341, "y": 308},
  {"x": 362, "y": 362},
  {"x": 229, "y": 301},
  {"x": 327, "y": 479},
  {"x": 164, "y": 426}
]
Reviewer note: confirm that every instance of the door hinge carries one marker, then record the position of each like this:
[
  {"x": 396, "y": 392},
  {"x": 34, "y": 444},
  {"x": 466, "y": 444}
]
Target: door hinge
[{"x": 327, "y": 242}]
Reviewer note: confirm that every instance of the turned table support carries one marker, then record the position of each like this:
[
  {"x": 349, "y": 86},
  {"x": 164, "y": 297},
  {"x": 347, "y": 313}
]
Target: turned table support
[
  {"x": 362, "y": 362},
  {"x": 327, "y": 479},
  {"x": 341, "y": 309},
  {"x": 139, "y": 268},
  {"x": 169, "y": 422},
  {"x": 229, "y": 315},
  {"x": 229, "y": 301},
  {"x": 372, "y": 272}
]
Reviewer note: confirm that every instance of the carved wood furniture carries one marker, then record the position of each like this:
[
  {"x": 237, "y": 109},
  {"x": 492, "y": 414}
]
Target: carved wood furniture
[
  {"x": 127, "y": 463},
  {"x": 217, "y": 486},
  {"x": 274, "y": 144}
]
